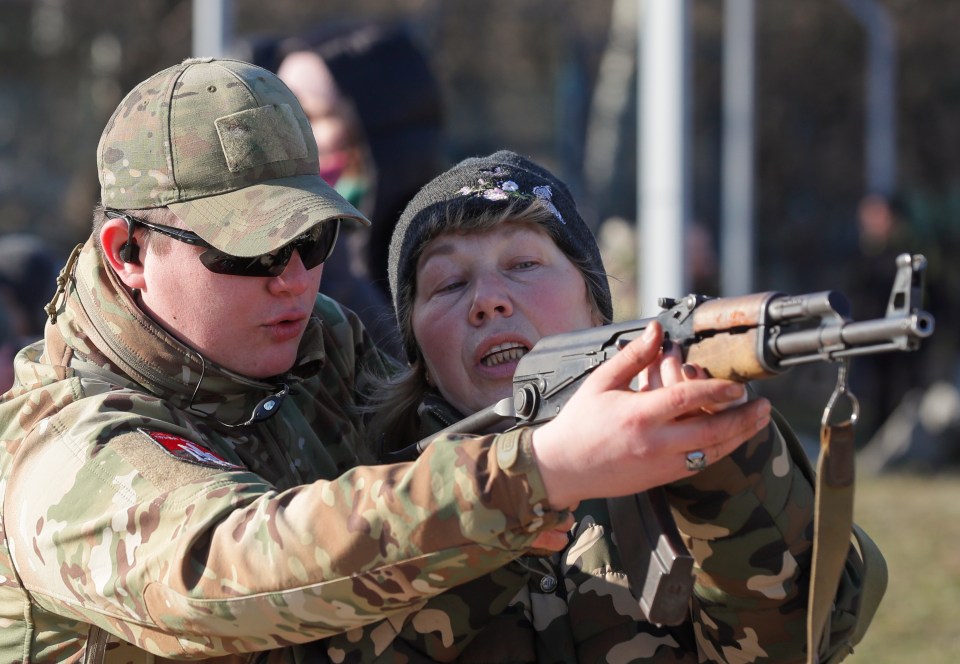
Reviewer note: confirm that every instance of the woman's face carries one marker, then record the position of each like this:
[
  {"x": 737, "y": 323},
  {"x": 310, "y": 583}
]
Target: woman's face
[{"x": 483, "y": 300}]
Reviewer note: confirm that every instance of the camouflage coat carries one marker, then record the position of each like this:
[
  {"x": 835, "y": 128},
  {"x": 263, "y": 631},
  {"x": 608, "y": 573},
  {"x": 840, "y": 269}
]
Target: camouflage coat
[
  {"x": 747, "y": 521},
  {"x": 131, "y": 507}
]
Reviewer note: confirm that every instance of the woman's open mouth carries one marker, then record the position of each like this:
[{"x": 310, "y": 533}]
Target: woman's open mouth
[{"x": 503, "y": 353}]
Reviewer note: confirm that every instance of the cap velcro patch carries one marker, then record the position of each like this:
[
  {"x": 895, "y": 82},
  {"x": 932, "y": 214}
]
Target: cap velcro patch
[
  {"x": 187, "y": 450},
  {"x": 259, "y": 136}
]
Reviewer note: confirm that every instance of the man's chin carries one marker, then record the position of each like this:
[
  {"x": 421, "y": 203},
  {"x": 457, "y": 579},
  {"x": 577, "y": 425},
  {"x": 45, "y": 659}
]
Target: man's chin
[{"x": 268, "y": 368}]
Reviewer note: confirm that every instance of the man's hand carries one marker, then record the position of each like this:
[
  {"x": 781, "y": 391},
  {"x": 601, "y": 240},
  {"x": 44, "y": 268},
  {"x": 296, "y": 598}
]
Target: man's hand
[{"x": 610, "y": 440}]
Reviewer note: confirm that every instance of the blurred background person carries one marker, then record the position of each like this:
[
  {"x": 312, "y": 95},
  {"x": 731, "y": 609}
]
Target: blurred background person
[
  {"x": 911, "y": 402},
  {"x": 8, "y": 348},
  {"x": 376, "y": 112},
  {"x": 880, "y": 381},
  {"x": 703, "y": 267},
  {"x": 344, "y": 164},
  {"x": 28, "y": 278}
]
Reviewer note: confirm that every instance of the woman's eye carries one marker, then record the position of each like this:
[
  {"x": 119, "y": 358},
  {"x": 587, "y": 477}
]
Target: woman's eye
[
  {"x": 525, "y": 264},
  {"x": 449, "y": 286}
]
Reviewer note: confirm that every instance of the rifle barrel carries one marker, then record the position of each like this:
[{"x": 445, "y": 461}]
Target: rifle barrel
[{"x": 853, "y": 338}]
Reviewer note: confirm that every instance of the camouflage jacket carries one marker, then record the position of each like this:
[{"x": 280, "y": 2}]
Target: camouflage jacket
[
  {"x": 747, "y": 521},
  {"x": 132, "y": 507}
]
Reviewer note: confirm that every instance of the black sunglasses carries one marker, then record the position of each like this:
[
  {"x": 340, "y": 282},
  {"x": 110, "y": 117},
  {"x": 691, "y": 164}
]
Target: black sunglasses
[{"x": 314, "y": 247}]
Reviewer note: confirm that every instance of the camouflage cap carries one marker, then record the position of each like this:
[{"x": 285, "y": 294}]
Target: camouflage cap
[{"x": 226, "y": 146}]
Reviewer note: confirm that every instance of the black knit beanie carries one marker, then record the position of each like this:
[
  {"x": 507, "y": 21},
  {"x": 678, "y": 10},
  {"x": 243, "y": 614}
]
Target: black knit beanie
[{"x": 479, "y": 184}]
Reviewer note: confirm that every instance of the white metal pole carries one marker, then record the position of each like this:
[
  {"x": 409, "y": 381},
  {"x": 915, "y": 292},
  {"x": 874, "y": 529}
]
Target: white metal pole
[
  {"x": 880, "y": 103},
  {"x": 212, "y": 27},
  {"x": 737, "y": 177},
  {"x": 663, "y": 190}
]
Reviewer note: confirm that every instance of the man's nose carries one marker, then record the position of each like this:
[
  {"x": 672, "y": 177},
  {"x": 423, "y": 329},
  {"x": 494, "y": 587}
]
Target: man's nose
[{"x": 294, "y": 279}]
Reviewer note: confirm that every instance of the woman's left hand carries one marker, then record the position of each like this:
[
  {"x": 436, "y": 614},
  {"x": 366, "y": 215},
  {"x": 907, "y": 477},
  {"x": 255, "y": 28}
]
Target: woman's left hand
[{"x": 671, "y": 370}]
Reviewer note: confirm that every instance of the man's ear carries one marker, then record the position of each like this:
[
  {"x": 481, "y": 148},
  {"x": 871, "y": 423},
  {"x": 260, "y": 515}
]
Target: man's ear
[{"x": 122, "y": 252}]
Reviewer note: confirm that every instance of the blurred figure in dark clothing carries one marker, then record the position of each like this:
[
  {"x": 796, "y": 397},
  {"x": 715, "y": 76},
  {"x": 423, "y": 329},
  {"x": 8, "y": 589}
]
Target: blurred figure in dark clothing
[
  {"x": 376, "y": 112},
  {"x": 396, "y": 97},
  {"x": 701, "y": 259},
  {"x": 28, "y": 278},
  {"x": 880, "y": 381},
  {"x": 8, "y": 348},
  {"x": 345, "y": 163}
]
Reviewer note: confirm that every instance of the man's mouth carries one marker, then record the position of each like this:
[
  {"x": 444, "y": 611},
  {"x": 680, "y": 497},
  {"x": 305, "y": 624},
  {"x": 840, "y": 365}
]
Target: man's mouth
[{"x": 501, "y": 353}]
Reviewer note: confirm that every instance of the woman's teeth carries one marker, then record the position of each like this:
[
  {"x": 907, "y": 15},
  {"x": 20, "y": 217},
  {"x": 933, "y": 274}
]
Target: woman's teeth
[{"x": 510, "y": 352}]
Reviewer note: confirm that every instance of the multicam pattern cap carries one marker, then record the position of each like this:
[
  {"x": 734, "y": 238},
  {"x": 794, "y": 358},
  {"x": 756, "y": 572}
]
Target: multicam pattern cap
[{"x": 227, "y": 147}]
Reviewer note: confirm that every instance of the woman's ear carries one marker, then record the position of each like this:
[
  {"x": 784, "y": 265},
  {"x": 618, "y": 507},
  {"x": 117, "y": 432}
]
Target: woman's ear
[{"x": 122, "y": 251}]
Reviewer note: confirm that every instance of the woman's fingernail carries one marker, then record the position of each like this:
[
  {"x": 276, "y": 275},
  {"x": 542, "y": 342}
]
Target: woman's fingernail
[
  {"x": 733, "y": 391},
  {"x": 762, "y": 422},
  {"x": 667, "y": 345},
  {"x": 689, "y": 370}
]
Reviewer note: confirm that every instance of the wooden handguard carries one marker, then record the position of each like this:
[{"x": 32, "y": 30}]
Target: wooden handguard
[
  {"x": 731, "y": 313},
  {"x": 731, "y": 328},
  {"x": 730, "y": 355}
]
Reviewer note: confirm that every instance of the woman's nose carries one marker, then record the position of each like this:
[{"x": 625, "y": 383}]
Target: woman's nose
[{"x": 491, "y": 298}]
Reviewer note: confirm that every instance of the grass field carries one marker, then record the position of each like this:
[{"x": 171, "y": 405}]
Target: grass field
[{"x": 916, "y": 522}]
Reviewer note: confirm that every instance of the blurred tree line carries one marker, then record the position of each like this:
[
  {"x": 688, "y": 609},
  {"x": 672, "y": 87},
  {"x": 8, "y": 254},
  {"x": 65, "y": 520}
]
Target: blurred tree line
[{"x": 521, "y": 74}]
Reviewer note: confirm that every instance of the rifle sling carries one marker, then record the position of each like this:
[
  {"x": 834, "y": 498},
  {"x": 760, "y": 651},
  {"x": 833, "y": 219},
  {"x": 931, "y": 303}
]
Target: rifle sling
[
  {"x": 95, "y": 650},
  {"x": 832, "y": 529}
]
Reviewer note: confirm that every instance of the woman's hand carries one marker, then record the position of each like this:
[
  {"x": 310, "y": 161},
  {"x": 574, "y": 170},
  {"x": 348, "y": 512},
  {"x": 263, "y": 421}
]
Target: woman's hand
[
  {"x": 611, "y": 440},
  {"x": 670, "y": 370}
]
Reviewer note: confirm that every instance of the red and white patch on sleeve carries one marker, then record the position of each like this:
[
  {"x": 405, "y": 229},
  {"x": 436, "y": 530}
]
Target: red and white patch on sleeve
[{"x": 189, "y": 451}]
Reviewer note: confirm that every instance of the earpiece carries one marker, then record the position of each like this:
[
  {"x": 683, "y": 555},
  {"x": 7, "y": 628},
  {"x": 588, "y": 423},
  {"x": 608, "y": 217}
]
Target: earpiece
[{"x": 130, "y": 252}]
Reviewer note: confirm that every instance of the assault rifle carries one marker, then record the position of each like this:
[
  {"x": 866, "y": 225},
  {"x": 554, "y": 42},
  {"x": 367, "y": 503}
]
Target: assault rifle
[{"x": 739, "y": 338}]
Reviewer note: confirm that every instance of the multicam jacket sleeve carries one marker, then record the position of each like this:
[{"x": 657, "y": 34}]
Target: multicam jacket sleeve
[
  {"x": 747, "y": 521},
  {"x": 125, "y": 509}
]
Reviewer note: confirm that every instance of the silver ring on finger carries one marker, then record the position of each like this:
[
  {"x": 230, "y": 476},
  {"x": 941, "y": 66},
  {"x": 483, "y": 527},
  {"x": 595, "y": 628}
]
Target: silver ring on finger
[{"x": 696, "y": 460}]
